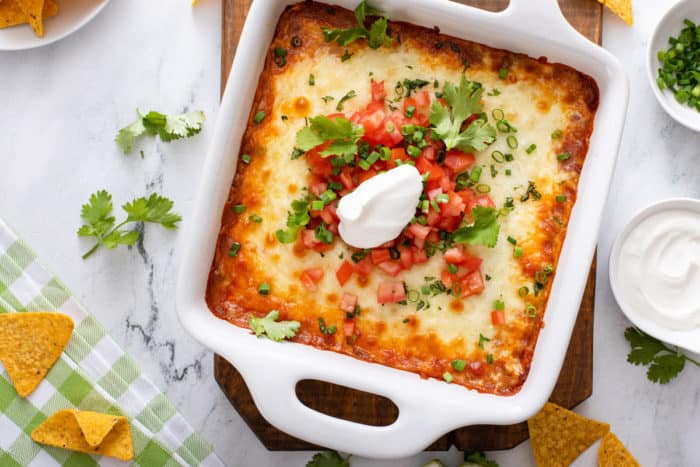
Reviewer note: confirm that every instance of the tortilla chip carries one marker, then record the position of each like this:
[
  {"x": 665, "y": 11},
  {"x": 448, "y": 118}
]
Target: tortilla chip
[
  {"x": 88, "y": 432},
  {"x": 612, "y": 453},
  {"x": 622, "y": 8},
  {"x": 33, "y": 10},
  {"x": 558, "y": 436},
  {"x": 30, "y": 343},
  {"x": 12, "y": 15}
]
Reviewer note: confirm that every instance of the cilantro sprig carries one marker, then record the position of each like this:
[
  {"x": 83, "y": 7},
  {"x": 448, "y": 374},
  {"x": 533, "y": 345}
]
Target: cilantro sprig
[
  {"x": 270, "y": 327},
  {"x": 100, "y": 223},
  {"x": 376, "y": 35},
  {"x": 463, "y": 102},
  {"x": 168, "y": 127},
  {"x": 483, "y": 231},
  {"x": 297, "y": 219},
  {"x": 328, "y": 459},
  {"x": 340, "y": 132},
  {"x": 665, "y": 362},
  {"x": 478, "y": 459}
]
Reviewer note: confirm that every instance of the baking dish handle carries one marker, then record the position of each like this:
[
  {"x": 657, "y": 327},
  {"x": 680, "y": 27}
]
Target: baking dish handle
[
  {"x": 275, "y": 397},
  {"x": 527, "y": 14}
]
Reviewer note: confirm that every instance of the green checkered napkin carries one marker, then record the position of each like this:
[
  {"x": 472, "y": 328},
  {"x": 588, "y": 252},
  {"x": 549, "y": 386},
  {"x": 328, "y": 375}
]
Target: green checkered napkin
[{"x": 93, "y": 373}]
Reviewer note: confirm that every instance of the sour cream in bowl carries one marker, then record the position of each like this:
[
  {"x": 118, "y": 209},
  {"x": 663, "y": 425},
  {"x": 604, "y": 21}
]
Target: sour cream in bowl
[{"x": 655, "y": 271}]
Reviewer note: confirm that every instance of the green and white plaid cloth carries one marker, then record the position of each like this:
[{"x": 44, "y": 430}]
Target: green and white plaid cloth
[{"x": 93, "y": 373}]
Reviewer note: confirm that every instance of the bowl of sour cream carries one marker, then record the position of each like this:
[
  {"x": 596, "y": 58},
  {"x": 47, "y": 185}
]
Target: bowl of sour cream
[{"x": 655, "y": 271}]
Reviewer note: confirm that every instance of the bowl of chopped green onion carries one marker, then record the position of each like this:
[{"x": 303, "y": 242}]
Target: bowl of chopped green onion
[{"x": 673, "y": 63}]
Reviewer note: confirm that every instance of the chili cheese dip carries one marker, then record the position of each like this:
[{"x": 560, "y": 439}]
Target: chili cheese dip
[{"x": 499, "y": 139}]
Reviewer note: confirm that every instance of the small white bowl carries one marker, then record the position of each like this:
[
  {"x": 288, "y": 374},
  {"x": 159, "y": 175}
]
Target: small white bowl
[
  {"x": 689, "y": 340},
  {"x": 670, "y": 25},
  {"x": 72, "y": 15}
]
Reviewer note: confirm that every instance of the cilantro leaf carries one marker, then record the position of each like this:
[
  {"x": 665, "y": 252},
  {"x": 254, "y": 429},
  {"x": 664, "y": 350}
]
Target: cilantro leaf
[
  {"x": 376, "y": 35},
  {"x": 665, "y": 367},
  {"x": 296, "y": 220},
  {"x": 665, "y": 363},
  {"x": 328, "y": 459},
  {"x": 463, "y": 102},
  {"x": 271, "y": 328},
  {"x": 484, "y": 229},
  {"x": 155, "y": 209},
  {"x": 341, "y": 132},
  {"x": 168, "y": 127},
  {"x": 478, "y": 459},
  {"x": 99, "y": 223}
]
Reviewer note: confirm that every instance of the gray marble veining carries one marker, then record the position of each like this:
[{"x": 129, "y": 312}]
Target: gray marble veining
[{"x": 61, "y": 106}]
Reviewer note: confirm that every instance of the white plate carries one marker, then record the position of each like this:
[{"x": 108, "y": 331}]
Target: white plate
[
  {"x": 428, "y": 408},
  {"x": 72, "y": 15},
  {"x": 670, "y": 25},
  {"x": 689, "y": 340}
]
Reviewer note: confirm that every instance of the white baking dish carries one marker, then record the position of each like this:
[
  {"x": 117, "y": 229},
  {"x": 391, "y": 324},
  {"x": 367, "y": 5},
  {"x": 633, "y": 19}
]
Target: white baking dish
[{"x": 427, "y": 408}]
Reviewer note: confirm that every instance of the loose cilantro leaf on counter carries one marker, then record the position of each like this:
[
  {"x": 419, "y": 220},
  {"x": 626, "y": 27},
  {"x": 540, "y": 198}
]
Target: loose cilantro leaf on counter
[
  {"x": 271, "y": 328},
  {"x": 99, "y": 221},
  {"x": 328, "y": 459},
  {"x": 483, "y": 231},
  {"x": 341, "y": 132},
  {"x": 168, "y": 127},
  {"x": 376, "y": 35},
  {"x": 665, "y": 362},
  {"x": 463, "y": 102},
  {"x": 478, "y": 459}
]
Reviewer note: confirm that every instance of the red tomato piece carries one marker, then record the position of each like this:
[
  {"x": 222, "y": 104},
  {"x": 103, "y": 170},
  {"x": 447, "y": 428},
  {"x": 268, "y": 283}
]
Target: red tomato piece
[
  {"x": 348, "y": 302},
  {"x": 406, "y": 257},
  {"x": 366, "y": 175},
  {"x": 390, "y": 292},
  {"x": 470, "y": 262},
  {"x": 379, "y": 255},
  {"x": 446, "y": 278},
  {"x": 458, "y": 161},
  {"x": 346, "y": 179},
  {"x": 378, "y": 91},
  {"x": 344, "y": 272},
  {"x": 419, "y": 256},
  {"x": 498, "y": 317},
  {"x": 454, "y": 255},
  {"x": 309, "y": 238},
  {"x": 476, "y": 368},
  {"x": 473, "y": 284},
  {"x": 316, "y": 274},
  {"x": 349, "y": 327},
  {"x": 308, "y": 282},
  {"x": 454, "y": 206},
  {"x": 390, "y": 267},
  {"x": 481, "y": 200},
  {"x": 419, "y": 231},
  {"x": 364, "y": 266}
]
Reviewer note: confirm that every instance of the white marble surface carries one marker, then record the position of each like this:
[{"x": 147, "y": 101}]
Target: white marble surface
[{"x": 61, "y": 105}]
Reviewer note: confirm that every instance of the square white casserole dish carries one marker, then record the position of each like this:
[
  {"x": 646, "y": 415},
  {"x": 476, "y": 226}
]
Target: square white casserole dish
[{"x": 427, "y": 408}]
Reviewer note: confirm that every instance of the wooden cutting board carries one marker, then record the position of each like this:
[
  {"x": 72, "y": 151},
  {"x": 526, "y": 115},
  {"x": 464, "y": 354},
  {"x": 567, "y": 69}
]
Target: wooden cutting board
[{"x": 575, "y": 382}]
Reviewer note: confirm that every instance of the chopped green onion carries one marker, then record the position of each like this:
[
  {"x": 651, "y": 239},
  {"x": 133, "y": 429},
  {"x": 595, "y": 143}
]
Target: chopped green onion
[
  {"x": 239, "y": 208},
  {"x": 264, "y": 288},
  {"x": 483, "y": 188},
  {"x": 413, "y": 296},
  {"x": 497, "y": 156},
  {"x": 317, "y": 205},
  {"x": 259, "y": 117},
  {"x": 499, "y": 305},
  {"x": 245, "y": 158},
  {"x": 413, "y": 151},
  {"x": 498, "y": 114},
  {"x": 442, "y": 198},
  {"x": 503, "y": 126},
  {"x": 531, "y": 310},
  {"x": 512, "y": 241},
  {"x": 509, "y": 157},
  {"x": 556, "y": 134},
  {"x": 459, "y": 365},
  {"x": 508, "y": 172},
  {"x": 489, "y": 359},
  {"x": 235, "y": 248},
  {"x": 447, "y": 376},
  {"x": 255, "y": 218},
  {"x": 561, "y": 198},
  {"x": 312, "y": 80},
  {"x": 563, "y": 156},
  {"x": 410, "y": 110},
  {"x": 451, "y": 268},
  {"x": 503, "y": 73},
  {"x": 475, "y": 174},
  {"x": 523, "y": 291},
  {"x": 512, "y": 142},
  {"x": 517, "y": 252},
  {"x": 531, "y": 148}
]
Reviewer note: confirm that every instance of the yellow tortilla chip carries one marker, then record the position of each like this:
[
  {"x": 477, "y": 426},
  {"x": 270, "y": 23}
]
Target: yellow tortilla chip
[
  {"x": 30, "y": 343},
  {"x": 558, "y": 436},
  {"x": 612, "y": 453},
  {"x": 33, "y": 10},
  {"x": 622, "y": 8},
  {"x": 12, "y": 15},
  {"x": 89, "y": 432}
]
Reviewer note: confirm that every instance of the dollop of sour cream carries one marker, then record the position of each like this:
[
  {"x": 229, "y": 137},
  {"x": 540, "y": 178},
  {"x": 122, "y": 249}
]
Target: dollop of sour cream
[
  {"x": 658, "y": 268},
  {"x": 379, "y": 208}
]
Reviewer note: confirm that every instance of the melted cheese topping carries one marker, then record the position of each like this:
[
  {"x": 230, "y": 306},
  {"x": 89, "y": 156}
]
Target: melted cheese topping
[{"x": 398, "y": 335}]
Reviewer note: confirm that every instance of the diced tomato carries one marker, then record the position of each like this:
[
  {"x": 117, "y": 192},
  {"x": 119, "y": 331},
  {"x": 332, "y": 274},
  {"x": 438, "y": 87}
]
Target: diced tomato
[
  {"x": 346, "y": 179},
  {"x": 317, "y": 184},
  {"x": 454, "y": 206},
  {"x": 433, "y": 236},
  {"x": 428, "y": 153},
  {"x": 309, "y": 238},
  {"x": 419, "y": 256},
  {"x": 349, "y": 327},
  {"x": 419, "y": 231},
  {"x": 425, "y": 166},
  {"x": 379, "y": 255},
  {"x": 348, "y": 302},
  {"x": 498, "y": 317},
  {"x": 390, "y": 267},
  {"x": 432, "y": 217},
  {"x": 390, "y": 292},
  {"x": 344, "y": 272},
  {"x": 481, "y": 200},
  {"x": 449, "y": 223},
  {"x": 366, "y": 175},
  {"x": 446, "y": 184},
  {"x": 446, "y": 278},
  {"x": 454, "y": 255},
  {"x": 323, "y": 247},
  {"x": 310, "y": 277},
  {"x": 476, "y": 368},
  {"x": 472, "y": 284},
  {"x": 472, "y": 263},
  {"x": 379, "y": 129},
  {"x": 328, "y": 215},
  {"x": 364, "y": 266},
  {"x": 318, "y": 164},
  {"x": 422, "y": 100},
  {"x": 397, "y": 154},
  {"x": 406, "y": 257},
  {"x": 433, "y": 193},
  {"x": 458, "y": 161},
  {"x": 378, "y": 91}
]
